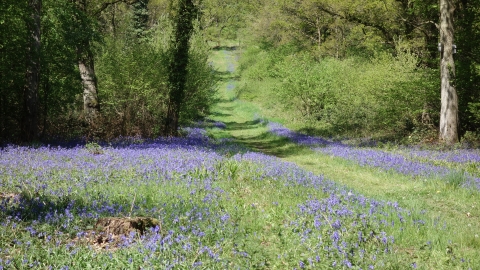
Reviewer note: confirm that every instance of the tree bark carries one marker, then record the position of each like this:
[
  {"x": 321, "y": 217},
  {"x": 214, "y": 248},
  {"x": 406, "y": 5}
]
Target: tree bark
[
  {"x": 91, "y": 106},
  {"x": 177, "y": 75},
  {"x": 86, "y": 66},
  {"x": 32, "y": 75},
  {"x": 449, "y": 99}
]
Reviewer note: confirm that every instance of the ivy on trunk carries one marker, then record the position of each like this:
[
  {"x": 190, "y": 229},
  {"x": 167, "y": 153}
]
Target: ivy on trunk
[
  {"x": 177, "y": 75},
  {"x": 32, "y": 75}
]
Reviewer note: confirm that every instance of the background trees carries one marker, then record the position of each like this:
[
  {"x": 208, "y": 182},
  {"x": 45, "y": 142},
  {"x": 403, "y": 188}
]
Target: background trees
[
  {"x": 381, "y": 58},
  {"x": 13, "y": 42},
  {"x": 223, "y": 19},
  {"x": 95, "y": 54},
  {"x": 32, "y": 73},
  {"x": 177, "y": 71}
]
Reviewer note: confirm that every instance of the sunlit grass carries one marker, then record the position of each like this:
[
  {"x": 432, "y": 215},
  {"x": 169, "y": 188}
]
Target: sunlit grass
[
  {"x": 454, "y": 209},
  {"x": 221, "y": 207}
]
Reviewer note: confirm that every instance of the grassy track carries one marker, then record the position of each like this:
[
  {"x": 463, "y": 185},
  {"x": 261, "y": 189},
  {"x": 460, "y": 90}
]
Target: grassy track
[
  {"x": 199, "y": 203},
  {"x": 456, "y": 208}
]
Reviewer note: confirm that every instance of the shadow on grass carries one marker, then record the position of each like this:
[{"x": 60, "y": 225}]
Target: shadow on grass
[
  {"x": 224, "y": 109},
  {"x": 28, "y": 207},
  {"x": 226, "y": 75},
  {"x": 272, "y": 145},
  {"x": 224, "y": 48},
  {"x": 264, "y": 142},
  {"x": 219, "y": 114},
  {"x": 242, "y": 126}
]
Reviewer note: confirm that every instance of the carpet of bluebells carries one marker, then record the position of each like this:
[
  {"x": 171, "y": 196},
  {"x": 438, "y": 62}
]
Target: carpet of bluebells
[
  {"x": 220, "y": 207},
  {"x": 414, "y": 162}
]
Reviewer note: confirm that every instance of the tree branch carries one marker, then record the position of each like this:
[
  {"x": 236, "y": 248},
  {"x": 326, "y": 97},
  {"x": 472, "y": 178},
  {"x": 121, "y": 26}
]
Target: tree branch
[
  {"x": 355, "y": 19},
  {"x": 107, "y": 4},
  {"x": 419, "y": 24}
]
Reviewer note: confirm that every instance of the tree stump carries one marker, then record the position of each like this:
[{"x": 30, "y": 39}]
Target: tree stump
[{"x": 111, "y": 229}]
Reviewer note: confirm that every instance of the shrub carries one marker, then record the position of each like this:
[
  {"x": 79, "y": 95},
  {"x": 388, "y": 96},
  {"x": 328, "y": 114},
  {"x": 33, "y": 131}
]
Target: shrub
[
  {"x": 133, "y": 85},
  {"x": 356, "y": 96}
]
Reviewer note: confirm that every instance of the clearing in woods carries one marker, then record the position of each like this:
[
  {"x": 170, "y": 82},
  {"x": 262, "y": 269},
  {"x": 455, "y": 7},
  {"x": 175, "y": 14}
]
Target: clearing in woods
[{"x": 457, "y": 208}]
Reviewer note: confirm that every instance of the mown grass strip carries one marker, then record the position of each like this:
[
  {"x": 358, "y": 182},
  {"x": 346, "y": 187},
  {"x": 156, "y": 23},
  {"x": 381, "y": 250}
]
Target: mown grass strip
[{"x": 454, "y": 209}]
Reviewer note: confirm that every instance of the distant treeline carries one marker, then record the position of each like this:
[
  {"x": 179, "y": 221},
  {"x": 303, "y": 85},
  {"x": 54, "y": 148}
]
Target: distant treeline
[
  {"x": 102, "y": 69},
  {"x": 351, "y": 67}
]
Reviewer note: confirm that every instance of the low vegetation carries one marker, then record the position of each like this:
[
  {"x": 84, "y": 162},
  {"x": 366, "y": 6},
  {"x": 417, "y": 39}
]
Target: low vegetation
[
  {"x": 318, "y": 139},
  {"x": 206, "y": 203}
]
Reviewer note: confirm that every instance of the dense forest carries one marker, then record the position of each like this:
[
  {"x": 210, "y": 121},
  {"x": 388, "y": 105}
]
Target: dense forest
[{"x": 101, "y": 69}]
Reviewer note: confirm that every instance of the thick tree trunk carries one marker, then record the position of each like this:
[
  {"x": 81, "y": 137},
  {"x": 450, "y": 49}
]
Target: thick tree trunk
[
  {"x": 91, "y": 106},
  {"x": 32, "y": 75},
  {"x": 449, "y": 99}
]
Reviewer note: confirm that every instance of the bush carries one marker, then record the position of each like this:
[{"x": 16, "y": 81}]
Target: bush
[
  {"x": 133, "y": 85},
  {"x": 200, "y": 91},
  {"x": 471, "y": 139},
  {"x": 356, "y": 96}
]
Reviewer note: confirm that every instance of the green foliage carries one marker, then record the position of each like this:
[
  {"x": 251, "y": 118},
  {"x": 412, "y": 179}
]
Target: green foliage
[
  {"x": 131, "y": 62},
  {"x": 357, "y": 39},
  {"x": 254, "y": 68},
  {"x": 61, "y": 86},
  {"x": 133, "y": 81},
  {"x": 94, "y": 148},
  {"x": 357, "y": 29},
  {"x": 467, "y": 61},
  {"x": 308, "y": 86},
  {"x": 471, "y": 139},
  {"x": 222, "y": 19},
  {"x": 200, "y": 87},
  {"x": 140, "y": 17},
  {"x": 353, "y": 96},
  {"x": 13, "y": 40},
  {"x": 183, "y": 28},
  {"x": 260, "y": 62}
]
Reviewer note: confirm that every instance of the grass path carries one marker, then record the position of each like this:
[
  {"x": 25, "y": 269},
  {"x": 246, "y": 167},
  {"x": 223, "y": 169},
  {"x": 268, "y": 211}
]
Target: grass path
[{"x": 458, "y": 208}]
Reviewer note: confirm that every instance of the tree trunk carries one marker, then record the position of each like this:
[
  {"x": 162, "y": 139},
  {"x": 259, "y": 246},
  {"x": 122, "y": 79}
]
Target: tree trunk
[
  {"x": 449, "y": 99},
  {"x": 91, "y": 106},
  {"x": 32, "y": 75},
  {"x": 177, "y": 74},
  {"x": 173, "y": 115}
]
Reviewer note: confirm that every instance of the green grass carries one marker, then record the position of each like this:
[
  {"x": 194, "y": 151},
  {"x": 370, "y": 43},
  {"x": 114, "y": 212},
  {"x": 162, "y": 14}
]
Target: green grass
[
  {"x": 233, "y": 215},
  {"x": 455, "y": 209}
]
